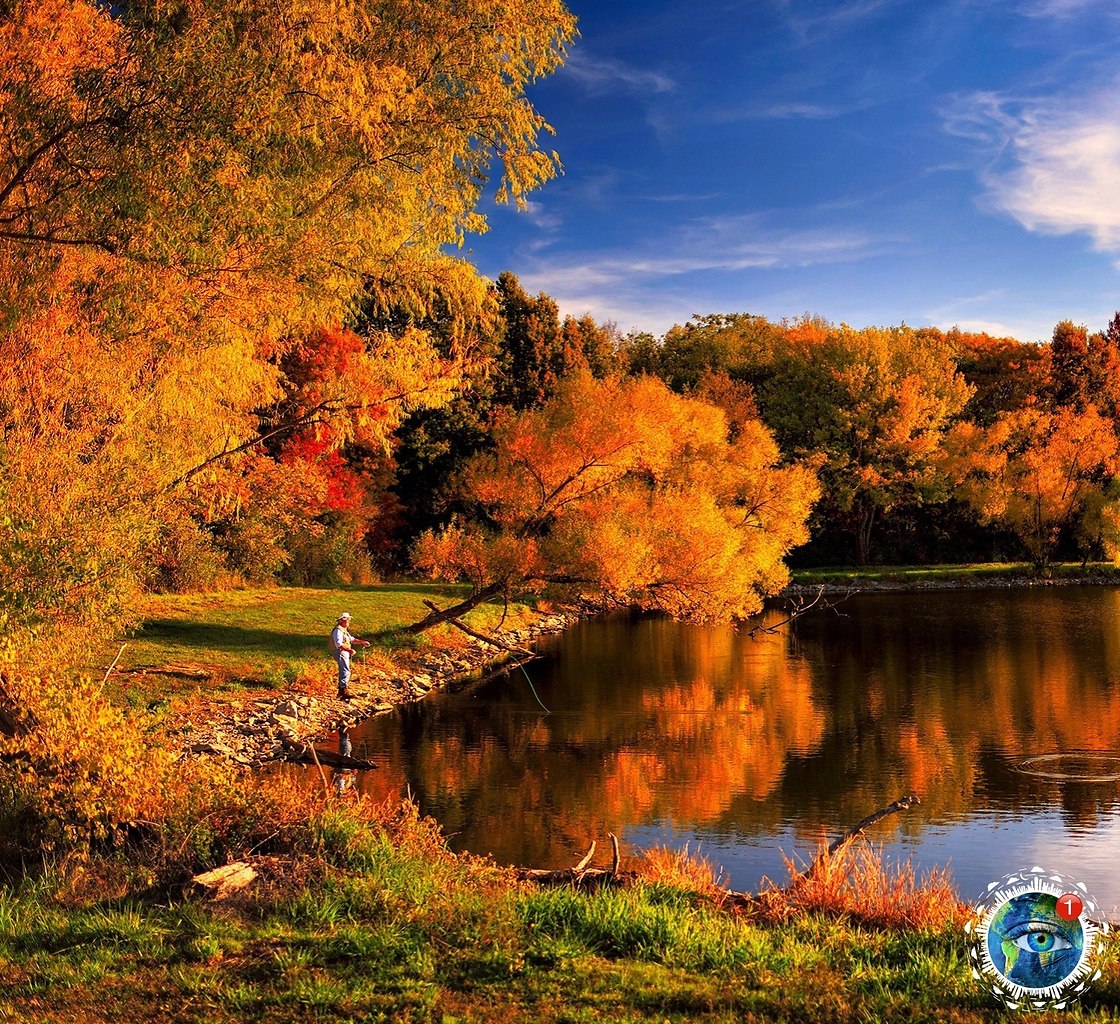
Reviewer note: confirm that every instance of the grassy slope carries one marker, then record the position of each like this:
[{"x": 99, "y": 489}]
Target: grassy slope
[
  {"x": 264, "y": 638},
  {"x": 384, "y": 931}
]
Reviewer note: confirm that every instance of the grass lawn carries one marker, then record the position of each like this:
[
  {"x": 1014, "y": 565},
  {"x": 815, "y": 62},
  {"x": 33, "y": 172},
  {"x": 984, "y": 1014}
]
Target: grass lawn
[
  {"x": 975, "y": 571},
  {"x": 267, "y": 638}
]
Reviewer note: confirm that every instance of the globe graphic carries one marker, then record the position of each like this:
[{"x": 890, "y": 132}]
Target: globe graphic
[{"x": 1031, "y": 945}]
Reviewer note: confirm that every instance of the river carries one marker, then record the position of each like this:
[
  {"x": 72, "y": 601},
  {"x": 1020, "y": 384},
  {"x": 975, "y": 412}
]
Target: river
[{"x": 1000, "y": 708}]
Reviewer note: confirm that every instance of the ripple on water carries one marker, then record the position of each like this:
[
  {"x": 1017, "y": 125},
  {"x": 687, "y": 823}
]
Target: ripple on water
[{"x": 1071, "y": 766}]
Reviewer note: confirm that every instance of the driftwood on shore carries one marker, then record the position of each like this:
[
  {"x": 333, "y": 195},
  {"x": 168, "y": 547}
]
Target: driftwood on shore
[{"x": 581, "y": 875}]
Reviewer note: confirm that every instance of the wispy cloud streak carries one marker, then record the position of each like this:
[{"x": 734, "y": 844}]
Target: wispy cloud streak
[{"x": 601, "y": 74}]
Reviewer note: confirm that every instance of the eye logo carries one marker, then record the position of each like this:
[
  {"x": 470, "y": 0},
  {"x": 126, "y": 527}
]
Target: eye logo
[{"x": 1033, "y": 941}]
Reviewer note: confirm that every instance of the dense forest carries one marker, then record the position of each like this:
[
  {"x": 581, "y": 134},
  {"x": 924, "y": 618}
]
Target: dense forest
[{"x": 239, "y": 347}]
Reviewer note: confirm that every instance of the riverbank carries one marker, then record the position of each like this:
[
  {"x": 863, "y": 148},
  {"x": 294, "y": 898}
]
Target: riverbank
[
  {"x": 360, "y": 913},
  {"x": 244, "y": 676},
  {"x": 267, "y": 729},
  {"x": 247, "y": 674},
  {"x": 832, "y": 581},
  {"x": 376, "y": 921}
]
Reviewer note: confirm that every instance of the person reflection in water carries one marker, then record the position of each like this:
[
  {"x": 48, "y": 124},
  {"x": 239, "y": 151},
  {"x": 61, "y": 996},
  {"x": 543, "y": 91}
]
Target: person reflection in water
[
  {"x": 1031, "y": 945},
  {"x": 344, "y": 778}
]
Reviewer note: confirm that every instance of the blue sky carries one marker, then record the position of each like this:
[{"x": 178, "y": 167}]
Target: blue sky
[{"x": 872, "y": 161}]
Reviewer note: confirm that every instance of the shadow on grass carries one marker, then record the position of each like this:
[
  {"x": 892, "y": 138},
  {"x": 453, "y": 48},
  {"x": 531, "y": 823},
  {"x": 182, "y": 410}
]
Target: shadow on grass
[{"x": 236, "y": 639}]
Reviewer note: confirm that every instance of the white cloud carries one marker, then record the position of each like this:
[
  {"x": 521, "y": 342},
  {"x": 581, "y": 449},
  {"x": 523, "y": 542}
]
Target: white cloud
[
  {"x": 1054, "y": 164},
  {"x": 1062, "y": 8},
  {"x": 812, "y": 21},
  {"x": 541, "y": 218},
  {"x": 779, "y": 112},
  {"x": 600, "y": 74}
]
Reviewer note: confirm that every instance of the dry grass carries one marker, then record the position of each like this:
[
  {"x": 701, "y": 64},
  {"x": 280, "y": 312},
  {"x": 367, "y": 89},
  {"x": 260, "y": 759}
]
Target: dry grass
[
  {"x": 682, "y": 869},
  {"x": 859, "y": 883}
]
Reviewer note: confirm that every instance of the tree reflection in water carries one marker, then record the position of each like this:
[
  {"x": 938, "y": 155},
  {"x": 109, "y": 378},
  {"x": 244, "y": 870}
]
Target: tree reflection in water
[{"x": 719, "y": 733}]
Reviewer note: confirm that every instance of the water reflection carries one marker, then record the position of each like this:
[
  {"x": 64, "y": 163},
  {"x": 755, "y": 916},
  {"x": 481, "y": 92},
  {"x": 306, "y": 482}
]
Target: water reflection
[{"x": 708, "y": 732}]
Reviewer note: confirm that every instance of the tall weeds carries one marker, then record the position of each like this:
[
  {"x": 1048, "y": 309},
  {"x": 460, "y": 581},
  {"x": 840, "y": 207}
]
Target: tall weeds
[{"x": 860, "y": 883}]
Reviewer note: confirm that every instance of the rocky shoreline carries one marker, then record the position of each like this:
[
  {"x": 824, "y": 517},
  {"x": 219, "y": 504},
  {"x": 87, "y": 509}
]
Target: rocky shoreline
[{"x": 268, "y": 729}]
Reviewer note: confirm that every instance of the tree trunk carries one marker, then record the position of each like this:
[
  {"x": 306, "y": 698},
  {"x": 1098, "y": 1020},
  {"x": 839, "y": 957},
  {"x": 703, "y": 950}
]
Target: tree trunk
[
  {"x": 434, "y": 618},
  {"x": 863, "y": 535}
]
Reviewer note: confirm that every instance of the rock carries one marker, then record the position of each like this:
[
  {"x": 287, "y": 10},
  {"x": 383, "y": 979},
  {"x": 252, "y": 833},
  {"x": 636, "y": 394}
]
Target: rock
[
  {"x": 223, "y": 881},
  {"x": 423, "y": 681},
  {"x": 211, "y": 747},
  {"x": 284, "y": 726},
  {"x": 287, "y": 709}
]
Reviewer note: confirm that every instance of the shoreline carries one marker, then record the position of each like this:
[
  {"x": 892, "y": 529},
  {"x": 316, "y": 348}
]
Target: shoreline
[
  {"x": 266, "y": 730},
  {"x": 917, "y": 580}
]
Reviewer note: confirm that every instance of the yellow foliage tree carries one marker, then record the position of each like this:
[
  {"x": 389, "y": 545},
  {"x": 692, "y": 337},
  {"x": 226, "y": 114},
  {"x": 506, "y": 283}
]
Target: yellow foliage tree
[
  {"x": 186, "y": 188},
  {"x": 1035, "y": 471},
  {"x": 623, "y": 490}
]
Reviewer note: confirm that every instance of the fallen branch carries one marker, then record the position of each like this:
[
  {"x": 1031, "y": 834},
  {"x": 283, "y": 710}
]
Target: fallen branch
[
  {"x": 105, "y": 679},
  {"x": 494, "y": 641},
  {"x": 581, "y": 875},
  {"x": 797, "y": 608},
  {"x": 839, "y": 845},
  {"x": 586, "y": 858}
]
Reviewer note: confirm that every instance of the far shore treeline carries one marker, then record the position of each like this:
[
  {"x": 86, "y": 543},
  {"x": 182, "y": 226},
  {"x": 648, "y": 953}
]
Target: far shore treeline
[{"x": 239, "y": 348}]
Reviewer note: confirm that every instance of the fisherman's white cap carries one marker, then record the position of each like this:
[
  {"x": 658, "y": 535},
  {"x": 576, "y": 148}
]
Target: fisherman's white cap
[{"x": 344, "y": 615}]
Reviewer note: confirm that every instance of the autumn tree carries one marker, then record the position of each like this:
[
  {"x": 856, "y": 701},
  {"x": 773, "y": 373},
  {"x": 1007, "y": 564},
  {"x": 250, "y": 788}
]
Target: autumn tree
[
  {"x": 622, "y": 490},
  {"x": 1083, "y": 369},
  {"x": 1037, "y": 472},
  {"x": 537, "y": 350},
  {"x": 719, "y": 342},
  {"x": 1003, "y": 373},
  {"x": 183, "y": 190},
  {"x": 871, "y": 406},
  {"x": 527, "y": 352}
]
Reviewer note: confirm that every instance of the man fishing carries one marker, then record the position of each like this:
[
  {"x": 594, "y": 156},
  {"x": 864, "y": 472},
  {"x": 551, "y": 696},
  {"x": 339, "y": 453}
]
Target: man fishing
[{"x": 343, "y": 643}]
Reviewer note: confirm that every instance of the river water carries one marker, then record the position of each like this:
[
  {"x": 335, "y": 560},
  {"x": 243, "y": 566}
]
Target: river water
[{"x": 1000, "y": 708}]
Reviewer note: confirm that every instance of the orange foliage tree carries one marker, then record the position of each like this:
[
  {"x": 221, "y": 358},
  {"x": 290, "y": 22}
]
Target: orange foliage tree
[
  {"x": 872, "y": 406},
  {"x": 183, "y": 189},
  {"x": 1035, "y": 471},
  {"x": 623, "y": 490}
]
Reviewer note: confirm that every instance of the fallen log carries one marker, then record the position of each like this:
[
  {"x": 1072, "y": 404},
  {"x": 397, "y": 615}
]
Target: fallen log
[
  {"x": 493, "y": 641},
  {"x": 581, "y": 875}
]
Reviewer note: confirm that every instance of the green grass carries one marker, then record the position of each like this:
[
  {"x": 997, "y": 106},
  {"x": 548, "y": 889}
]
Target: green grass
[
  {"x": 971, "y": 572},
  {"x": 270, "y": 637},
  {"x": 474, "y": 949}
]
